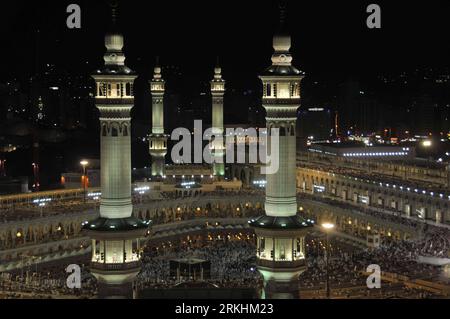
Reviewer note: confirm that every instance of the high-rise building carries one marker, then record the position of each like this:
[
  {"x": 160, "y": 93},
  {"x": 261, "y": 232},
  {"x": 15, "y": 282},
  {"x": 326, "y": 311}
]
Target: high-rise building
[
  {"x": 315, "y": 122},
  {"x": 281, "y": 232},
  {"x": 116, "y": 233},
  {"x": 217, "y": 92},
  {"x": 158, "y": 140}
]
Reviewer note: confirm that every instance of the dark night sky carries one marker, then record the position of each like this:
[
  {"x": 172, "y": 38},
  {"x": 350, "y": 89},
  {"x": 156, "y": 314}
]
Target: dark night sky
[
  {"x": 329, "y": 37},
  {"x": 330, "y": 41}
]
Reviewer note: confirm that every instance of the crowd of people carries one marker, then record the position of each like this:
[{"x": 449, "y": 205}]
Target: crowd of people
[
  {"x": 232, "y": 264},
  {"x": 45, "y": 282}
]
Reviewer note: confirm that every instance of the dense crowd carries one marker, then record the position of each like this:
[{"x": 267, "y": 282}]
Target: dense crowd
[
  {"x": 44, "y": 283},
  {"x": 232, "y": 264}
]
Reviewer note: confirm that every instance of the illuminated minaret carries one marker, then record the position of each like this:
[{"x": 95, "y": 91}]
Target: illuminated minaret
[
  {"x": 217, "y": 92},
  {"x": 158, "y": 140},
  {"x": 115, "y": 234},
  {"x": 281, "y": 232}
]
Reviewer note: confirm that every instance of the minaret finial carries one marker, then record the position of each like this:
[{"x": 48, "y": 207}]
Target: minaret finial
[
  {"x": 114, "y": 4},
  {"x": 283, "y": 8},
  {"x": 217, "y": 70},
  {"x": 157, "y": 70}
]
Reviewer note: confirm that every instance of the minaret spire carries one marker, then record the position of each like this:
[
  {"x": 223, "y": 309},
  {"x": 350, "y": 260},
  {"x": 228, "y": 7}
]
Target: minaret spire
[
  {"x": 157, "y": 138},
  {"x": 283, "y": 13},
  {"x": 114, "y": 5},
  {"x": 157, "y": 70},
  {"x": 217, "y": 146}
]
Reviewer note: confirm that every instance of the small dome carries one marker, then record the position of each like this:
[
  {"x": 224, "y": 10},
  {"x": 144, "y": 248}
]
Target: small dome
[
  {"x": 114, "y": 42},
  {"x": 282, "y": 43}
]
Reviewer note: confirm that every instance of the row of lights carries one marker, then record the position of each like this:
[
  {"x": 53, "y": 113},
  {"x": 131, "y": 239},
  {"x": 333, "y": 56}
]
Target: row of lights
[
  {"x": 260, "y": 183},
  {"x": 376, "y": 154},
  {"x": 142, "y": 190},
  {"x": 42, "y": 201}
]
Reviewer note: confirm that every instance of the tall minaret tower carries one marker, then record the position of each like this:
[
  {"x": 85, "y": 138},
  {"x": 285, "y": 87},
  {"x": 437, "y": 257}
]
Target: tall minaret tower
[
  {"x": 158, "y": 140},
  {"x": 281, "y": 232},
  {"x": 217, "y": 92},
  {"x": 115, "y": 234}
]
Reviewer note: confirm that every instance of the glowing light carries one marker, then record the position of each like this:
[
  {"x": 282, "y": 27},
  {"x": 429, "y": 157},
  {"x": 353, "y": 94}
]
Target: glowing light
[
  {"x": 84, "y": 163},
  {"x": 328, "y": 226}
]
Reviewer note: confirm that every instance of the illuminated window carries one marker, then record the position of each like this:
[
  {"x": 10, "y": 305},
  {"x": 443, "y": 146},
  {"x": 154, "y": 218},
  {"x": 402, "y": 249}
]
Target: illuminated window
[
  {"x": 295, "y": 90},
  {"x": 268, "y": 89},
  {"x": 101, "y": 89}
]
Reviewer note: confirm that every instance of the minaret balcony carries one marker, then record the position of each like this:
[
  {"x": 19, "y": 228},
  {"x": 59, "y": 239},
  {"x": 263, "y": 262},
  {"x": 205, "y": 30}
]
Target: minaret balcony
[
  {"x": 125, "y": 100},
  {"x": 116, "y": 266},
  {"x": 281, "y": 101},
  {"x": 285, "y": 264}
]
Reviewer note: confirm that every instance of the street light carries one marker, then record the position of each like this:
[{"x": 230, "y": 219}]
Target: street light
[
  {"x": 327, "y": 227},
  {"x": 84, "y": 163}
]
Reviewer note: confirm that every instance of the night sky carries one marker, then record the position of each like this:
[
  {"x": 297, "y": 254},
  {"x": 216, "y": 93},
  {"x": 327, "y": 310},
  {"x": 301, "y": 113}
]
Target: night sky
[
  {"x": 329, "y": 37},
  {"x": 331, "y": 43}
]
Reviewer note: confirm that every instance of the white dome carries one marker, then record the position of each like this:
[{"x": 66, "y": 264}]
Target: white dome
[
  {"x": 114, "y": 42},
  {"x": 282, "y": 43}
]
